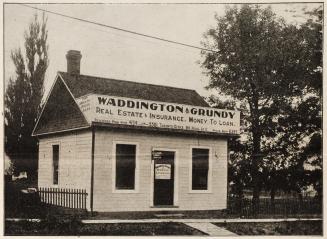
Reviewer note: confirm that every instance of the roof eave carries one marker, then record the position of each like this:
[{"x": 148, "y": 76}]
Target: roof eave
[{"x": 62, "y": 131}]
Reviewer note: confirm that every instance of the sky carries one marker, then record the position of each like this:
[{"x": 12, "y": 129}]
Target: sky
[{"x": 113, "y": 54}]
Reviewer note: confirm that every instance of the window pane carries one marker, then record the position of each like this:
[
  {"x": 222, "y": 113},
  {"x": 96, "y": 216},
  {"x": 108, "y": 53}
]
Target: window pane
[
  {"x": 200, "y": 167},
  {"x": 125, "y": 166},
  {"x": 55, "y": 163}
]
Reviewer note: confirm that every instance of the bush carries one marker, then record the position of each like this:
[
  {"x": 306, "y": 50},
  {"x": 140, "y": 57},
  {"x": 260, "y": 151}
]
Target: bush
[{"x": 29, "y": 198}]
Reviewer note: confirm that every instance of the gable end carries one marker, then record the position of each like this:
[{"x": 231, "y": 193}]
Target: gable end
[{"x": 60, "y": 113}]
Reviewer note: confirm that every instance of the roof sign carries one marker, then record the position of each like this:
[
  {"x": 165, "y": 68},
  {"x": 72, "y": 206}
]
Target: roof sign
[{"x": 144, "y": 113}]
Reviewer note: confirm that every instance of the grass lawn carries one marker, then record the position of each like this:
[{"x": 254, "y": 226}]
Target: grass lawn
[
  {"x": 275, "y": 228},
  {"x": 203, "y": 214},
  {"x": 76, "y": 228}
]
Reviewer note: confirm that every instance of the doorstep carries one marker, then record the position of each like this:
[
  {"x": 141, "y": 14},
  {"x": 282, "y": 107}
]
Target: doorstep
[
  {"x": 169, "y": 215},
  {"x": 164, "y": 206}
]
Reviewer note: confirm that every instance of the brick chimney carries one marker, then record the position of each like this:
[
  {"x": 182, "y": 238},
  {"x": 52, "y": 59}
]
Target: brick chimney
[{"x": 73, "y": 61}]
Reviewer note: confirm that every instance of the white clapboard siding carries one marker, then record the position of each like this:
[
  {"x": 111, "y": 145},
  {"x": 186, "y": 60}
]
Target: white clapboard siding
[
  {"x": 107, "y": 200},
  {"x": 74, "y": 161},
  {"x": 75, "y": 168}
]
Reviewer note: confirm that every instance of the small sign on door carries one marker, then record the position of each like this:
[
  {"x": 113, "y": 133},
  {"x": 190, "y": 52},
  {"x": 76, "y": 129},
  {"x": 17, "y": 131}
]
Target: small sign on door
[{"x": 162, "y": 171}]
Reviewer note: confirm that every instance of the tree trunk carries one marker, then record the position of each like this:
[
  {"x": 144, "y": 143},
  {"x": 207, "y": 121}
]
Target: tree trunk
[
  {"x": 256, "y": 154},
  {"x": 272, "y": 197},
  {"x": 299, "y": 194},
  {"x": 256, "y": 184},
  {"x": 240, "y": 193}
]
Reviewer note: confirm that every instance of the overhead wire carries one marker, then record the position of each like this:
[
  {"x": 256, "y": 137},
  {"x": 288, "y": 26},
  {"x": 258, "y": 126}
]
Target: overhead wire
[
  {"x": 119, "y": 29},
  {"x": 148, "y": 41}
]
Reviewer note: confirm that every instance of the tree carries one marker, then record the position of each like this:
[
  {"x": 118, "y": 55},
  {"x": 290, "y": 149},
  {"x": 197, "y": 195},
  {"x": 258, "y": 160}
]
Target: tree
[
  {"x": 23, "y": 97},
  {"x": 260, "y": 60},
  {"x": 303, "y": 121}
]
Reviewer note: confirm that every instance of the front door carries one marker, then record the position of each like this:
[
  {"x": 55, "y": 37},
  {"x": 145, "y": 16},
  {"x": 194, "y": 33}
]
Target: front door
[{"x": 163, "y": 178}]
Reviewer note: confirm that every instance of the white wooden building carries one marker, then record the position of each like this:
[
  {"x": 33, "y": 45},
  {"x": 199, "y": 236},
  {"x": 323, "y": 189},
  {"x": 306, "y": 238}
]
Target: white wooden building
[{"x": 133, "y": 146}]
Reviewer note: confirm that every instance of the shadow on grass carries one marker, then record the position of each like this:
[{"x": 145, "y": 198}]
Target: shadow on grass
[
  {"x": 74, "y": 227},
  {"x": 275, "y": 228}
]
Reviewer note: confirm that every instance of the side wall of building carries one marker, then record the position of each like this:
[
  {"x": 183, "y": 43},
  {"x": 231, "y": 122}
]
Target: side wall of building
[
  {"x": 105, "y": 199},
  {"x": 74, "y": 161}
]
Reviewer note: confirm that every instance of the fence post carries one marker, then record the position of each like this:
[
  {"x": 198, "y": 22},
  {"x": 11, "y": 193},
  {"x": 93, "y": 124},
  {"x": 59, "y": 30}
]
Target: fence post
[
  {"x": 82, "y": 195},
  {"x": 85, "y": 194},
  {"x": 60, "y": 196},
  {"x": 46, "y": 195},
  {"x": 50, "y": 195},
  {"x": 65, "y": 197},
  {"x": 75, "y": 196},
  {"x": 70, "y": 198},
  {"x": 79, "y": 198},
  {"x": 78, "y": 201},
  {"x": 39, "y": 191},
  {"x": 56, "y": 196},
  {"x": 84, "y": 199}
]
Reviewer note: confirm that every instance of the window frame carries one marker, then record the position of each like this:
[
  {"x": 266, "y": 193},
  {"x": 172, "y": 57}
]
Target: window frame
[
  {"x": 52, "y": 164},
  {"x": 113, "y": 178},
  {"x": 208, "y": 190}
]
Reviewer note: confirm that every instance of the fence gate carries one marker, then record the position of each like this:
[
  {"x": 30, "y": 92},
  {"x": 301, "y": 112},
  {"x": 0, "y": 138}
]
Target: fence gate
[{"x": 64, "y": 197}]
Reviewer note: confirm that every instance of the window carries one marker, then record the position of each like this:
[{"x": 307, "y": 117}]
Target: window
[
  {"x": 200, "y": 168},
  {"x": 55, "y": 163},
  {"x": 125, "y": 166}
]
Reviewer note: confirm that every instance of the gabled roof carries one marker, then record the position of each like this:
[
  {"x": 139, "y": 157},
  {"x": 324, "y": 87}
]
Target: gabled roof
[
  {"x": 80, "y": 85},
  {"x": 62, "y": 113}
]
